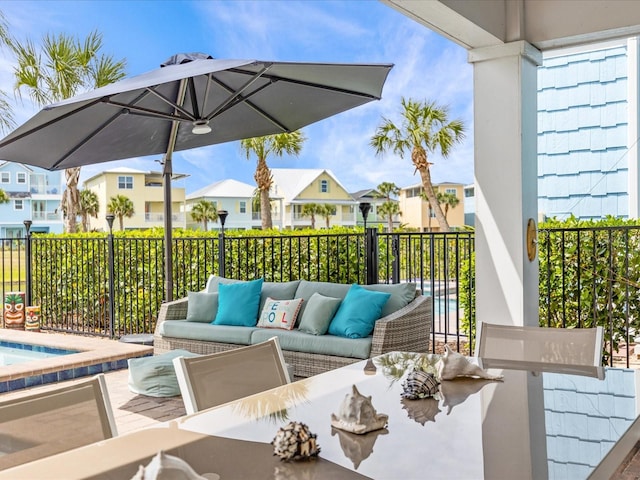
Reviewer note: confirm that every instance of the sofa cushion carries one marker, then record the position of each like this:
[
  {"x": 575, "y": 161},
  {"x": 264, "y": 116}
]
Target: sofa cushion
[
  {"x": 402, "y": 294},
  {"x": 214, "y": 281},
  {"x": 297, "y": 341},
  {"x": 278, "y": 291},
  {"x": 202, "y": 307},
  {"x": 279, "y": 313},
  {"x": 238, "y": 303},
  {"x": 318, "y": 314},
  {"x": 328, "y": 289},
  {"x": 358, "y": 312},
  {"x": 206, "y": 332},
  {"x": 155, "y": 376}
]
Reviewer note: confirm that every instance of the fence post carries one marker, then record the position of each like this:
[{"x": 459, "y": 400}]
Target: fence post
[
  {"x": 27, "y": 261},
  {"x": 112, "y": 303},
  {"x": 221, "y": 254},
  {"x": 395, "y": 251},
  {"x": 371, "y": 255}
]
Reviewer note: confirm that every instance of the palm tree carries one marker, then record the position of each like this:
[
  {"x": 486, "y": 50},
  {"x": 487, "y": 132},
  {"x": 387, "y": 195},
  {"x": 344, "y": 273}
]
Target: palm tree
[
  {"x": 62, "y": 67},
  {"x": 4, "y": 198},
  {"x": 204, "y": 211},
  {"x": 121, "y": 206},
  {"x": 327, "y": 211},
  {"x": 425, "y": 129},
  {"x": 449, "y": 200},
  {"x": 279, "y": 144},
  {"x": 390, "y": 207},
  {"x": 311, "y": 210},
  {"x": 89, "y": 207},
  {"x": 7, "y": 121}
]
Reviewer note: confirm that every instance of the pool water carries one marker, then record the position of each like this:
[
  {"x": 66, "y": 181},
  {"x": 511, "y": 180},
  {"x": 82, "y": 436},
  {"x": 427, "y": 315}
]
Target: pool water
[{"x": 12, "y": 353}]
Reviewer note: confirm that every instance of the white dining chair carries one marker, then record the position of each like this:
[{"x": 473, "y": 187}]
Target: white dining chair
[
  {"x": 568, "y": 346},
  {"x": 48, "y": 422},
  {"x": 210, "y": 380}
]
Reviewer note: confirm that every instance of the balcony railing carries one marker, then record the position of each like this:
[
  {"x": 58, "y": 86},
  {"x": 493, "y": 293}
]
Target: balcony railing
[
  {"x": 159, "y": 217},
  {"x": 588, "y": 276},
  {"x": 46, "y": 216}
]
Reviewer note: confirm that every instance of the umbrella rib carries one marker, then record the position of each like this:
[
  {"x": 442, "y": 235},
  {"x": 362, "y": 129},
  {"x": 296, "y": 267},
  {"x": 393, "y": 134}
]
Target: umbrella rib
[
  {"x": 173, "y": 104},
  {"x": 254, "y": 107},
  {"x": 134, "y": 109},
  {"x": 86, "y": 139},
  {"x": 194, "y": 98}
]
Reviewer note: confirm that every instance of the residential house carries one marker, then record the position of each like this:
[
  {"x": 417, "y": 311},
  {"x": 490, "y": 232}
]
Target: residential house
[
  {"x": 374, "y": 219},
  {"x": 145, "y": 190},
  {"x": 416, "y": 212},
  {"x": 469, "y": 205},
  {"x": 237, "y": 199},
  {"x": 34, "y": 194},
  {"x": 300, "y": 186}
]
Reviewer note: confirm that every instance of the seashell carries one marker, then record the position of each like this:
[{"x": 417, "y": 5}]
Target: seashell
[
  {"x": 295, "y": 441},
  {"x": 453, "y": 364},
  {"x": 457, "y": 392},
  {"x": 357, "y": 414},
  {"x": 357, "y": 447},
  {"x": 167, "y": 467},
  {"x": 419, "y": 384}
]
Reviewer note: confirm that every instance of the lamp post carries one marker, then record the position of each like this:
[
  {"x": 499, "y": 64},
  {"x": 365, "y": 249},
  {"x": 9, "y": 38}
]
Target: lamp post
[
  {"x": 222, "y": 216},
  {"x": 112, "y": 316},
  {"x": 27, "y": 254},
  {"x": 365, "y": 207}
]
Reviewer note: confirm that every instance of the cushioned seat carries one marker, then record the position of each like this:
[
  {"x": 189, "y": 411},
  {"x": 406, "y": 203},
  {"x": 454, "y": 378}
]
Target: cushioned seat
[{"x": 155, "y": 376}]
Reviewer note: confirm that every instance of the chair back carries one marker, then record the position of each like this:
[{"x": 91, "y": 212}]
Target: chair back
[
  {"x": 212, "y": 380},
  {"x": 53, "y": 421},
  {"x": 569, "y": 346}
]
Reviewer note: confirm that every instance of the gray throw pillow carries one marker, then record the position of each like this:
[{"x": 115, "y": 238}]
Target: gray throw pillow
[
  {"x": 202, "y": 307},
  {"x": 318, "y": 314}
]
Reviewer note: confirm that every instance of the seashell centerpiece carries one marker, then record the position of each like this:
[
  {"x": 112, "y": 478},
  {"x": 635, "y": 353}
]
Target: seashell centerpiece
[
  {"x": 453, "y": 364},
  {"x": 168, "y": 467},
  {"x": 295, "y": 441},
  {"x": 357, "y": 414},
  {"x": 419, "y": 384}
]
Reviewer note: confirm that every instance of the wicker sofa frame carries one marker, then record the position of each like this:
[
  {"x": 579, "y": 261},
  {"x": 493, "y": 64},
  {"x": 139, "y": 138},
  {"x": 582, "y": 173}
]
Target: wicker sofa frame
[{"x": 407, "y": 329}]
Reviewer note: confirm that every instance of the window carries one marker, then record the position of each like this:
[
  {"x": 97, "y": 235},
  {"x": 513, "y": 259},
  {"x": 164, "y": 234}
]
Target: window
[
  {"x": 452, "y": 191},
  {"x": 243, "y": 207},
  {"x": 5, "y": 177},
  {"x": 18, "y": 205},
  {"x": 125, "y": 182},
  {"x": 324, "y": 186},
  {"x": 21, "y": 177}
]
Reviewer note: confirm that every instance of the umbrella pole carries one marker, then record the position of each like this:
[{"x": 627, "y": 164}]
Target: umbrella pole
[{"x": 168, "y": 225}]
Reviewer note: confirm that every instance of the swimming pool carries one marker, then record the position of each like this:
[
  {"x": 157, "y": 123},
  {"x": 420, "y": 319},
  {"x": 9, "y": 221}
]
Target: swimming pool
[
  {"x": 83, "y": 356},
  {"x": 12, "y": 353}
]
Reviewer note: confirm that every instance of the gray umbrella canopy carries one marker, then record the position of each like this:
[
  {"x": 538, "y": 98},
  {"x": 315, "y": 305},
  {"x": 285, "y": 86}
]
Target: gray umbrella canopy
[{"x": 192, "y": 101}]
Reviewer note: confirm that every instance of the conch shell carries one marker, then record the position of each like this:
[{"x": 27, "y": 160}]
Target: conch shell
[
  {"x": 453, "y": 364},
  {"x": 168, "y": 467},
  {"x": 357, "y": 414}
]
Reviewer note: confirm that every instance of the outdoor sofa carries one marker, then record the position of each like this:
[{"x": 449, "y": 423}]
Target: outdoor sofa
[{"x": 313, "y": 344}]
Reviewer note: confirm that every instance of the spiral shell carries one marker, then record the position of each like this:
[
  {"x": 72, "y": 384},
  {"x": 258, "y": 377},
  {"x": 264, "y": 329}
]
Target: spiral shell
[
  {"x": 419, "y": 384},
  {"x": 295, "y": 441}
]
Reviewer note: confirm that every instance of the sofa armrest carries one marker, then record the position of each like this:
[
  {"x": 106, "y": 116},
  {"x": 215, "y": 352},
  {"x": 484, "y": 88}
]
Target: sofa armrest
[
  {"x": 406, "y": 330},
  {"x": 176, "y": 310}
]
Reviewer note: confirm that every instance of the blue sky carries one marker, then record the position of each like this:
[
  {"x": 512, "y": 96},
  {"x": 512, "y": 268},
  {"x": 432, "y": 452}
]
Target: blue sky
[{"x": 145, "y": 33}]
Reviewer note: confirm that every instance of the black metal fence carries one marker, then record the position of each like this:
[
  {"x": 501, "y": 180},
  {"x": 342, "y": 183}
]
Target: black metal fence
[{"x": 112, "y": 286}]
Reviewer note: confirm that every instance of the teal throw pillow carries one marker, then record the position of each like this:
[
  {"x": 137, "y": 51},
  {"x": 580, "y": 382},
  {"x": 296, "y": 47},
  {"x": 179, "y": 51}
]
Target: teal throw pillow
[
  {"x": 318, "y": 314},
  {"x": 238, "y": 303},
  {"x": 202, "y": 307},
  {"x": 358, "y": 313}
]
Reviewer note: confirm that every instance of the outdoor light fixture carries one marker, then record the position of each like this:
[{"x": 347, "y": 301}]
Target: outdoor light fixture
[
  {"x": 364, "y": 209},
  {"x": 201, "y": 127},
  {"x": 222, "y": 215},
  {"x": 110, "y": 218}
]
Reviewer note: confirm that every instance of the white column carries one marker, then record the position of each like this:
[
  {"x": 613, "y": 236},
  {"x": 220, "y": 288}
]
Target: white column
[{"x": 506, "y": 192}]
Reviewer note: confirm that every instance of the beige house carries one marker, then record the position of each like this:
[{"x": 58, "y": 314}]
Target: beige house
[
  {"x": 300, "y": 186},
  {"x": 417, "y": 214},
  {"x": 144, "y": 189}
]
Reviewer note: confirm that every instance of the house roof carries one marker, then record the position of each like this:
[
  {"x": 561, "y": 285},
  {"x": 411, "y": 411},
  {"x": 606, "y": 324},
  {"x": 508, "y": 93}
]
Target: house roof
[
  {"x": 174, "y": 176},
  {"x": 370, "y": 193},
  {"x": 292, "y": 181},
  {"x": 26, "y": 167},
  {"x": 224, "y": 189}
]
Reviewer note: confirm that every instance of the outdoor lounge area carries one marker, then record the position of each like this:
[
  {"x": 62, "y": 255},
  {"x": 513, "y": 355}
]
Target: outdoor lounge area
[{"x": 529, "y": 402}]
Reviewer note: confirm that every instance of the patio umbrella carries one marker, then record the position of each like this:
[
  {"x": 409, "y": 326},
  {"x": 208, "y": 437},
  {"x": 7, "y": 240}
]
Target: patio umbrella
[{"x": 193, "y": 100}]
